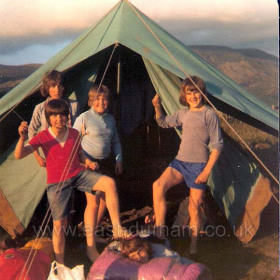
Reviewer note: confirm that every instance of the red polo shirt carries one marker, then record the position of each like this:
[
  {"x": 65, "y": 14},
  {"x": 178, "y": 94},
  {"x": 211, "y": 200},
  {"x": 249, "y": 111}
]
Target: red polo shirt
[{"x": 62, "y": 162}]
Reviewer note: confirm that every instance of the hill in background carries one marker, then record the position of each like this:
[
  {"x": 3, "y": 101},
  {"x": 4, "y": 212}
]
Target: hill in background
[
  {"x": 253, "y": 69},
  {"x": 10, "y": 76}
]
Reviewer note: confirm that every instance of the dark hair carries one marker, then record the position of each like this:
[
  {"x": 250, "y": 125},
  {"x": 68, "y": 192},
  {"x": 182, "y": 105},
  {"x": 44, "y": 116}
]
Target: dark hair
[
  {"x": 56, "y": 107},
  {"x": 189, "y": 82},
  {"x": 129, "y": 246},
  {"x": 96, "y": 90},
  {"x": 51, "y": 78}
]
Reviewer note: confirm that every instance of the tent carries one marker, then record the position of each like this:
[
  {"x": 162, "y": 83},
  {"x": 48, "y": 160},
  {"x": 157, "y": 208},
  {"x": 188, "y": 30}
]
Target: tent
[{"x": 159, "y": 61}]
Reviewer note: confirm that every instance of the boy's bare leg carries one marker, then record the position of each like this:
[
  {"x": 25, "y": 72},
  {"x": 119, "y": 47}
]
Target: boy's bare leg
[
  {"x": 108, "y": 186},
  {"x": 169, "y": 178},
  {"x": 101, "y": 208},
  {"x": 195, "y": 201},
  {"x": 90, "y": 218},
  {"x": 58, "y": 239}
]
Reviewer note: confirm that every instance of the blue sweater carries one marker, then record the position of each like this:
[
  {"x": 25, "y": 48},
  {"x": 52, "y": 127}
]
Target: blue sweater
[{"x": 100, "y": 135}]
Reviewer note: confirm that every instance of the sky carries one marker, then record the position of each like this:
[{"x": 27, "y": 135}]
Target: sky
[{"x": 32, "y": 31}]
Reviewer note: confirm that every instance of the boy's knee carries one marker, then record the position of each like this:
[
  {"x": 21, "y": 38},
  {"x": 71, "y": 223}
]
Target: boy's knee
[
  {"x": 158, "y": 188},
  {"x": 155, "y": 186},
  {"x": 110, "y": 182}
]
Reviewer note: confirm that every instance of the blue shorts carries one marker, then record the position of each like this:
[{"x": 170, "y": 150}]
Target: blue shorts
[
  {"x": 190, "y": 171},
  {"x": 59, "y": 193}
]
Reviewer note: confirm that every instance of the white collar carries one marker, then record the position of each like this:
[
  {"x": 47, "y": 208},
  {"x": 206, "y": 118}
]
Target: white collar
[{"x": 60, "y": 141}]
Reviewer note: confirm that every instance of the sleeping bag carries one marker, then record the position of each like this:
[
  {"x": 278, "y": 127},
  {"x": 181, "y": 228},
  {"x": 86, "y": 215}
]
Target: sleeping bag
[{"x": 111, "y": 265}]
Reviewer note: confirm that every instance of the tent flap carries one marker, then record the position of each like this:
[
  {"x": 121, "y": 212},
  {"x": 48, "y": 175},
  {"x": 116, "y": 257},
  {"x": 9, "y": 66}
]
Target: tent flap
[{"x": 8, "y": 218}]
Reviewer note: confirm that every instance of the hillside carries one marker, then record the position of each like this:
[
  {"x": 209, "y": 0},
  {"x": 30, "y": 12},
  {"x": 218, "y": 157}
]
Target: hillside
[
  {"x": 10, "y": 76},
  {"x": 253, "y": 69}
]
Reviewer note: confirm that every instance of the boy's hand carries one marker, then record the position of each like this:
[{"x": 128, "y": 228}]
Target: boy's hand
[
  {"x": 41, "y": 161},
  {"x": 118, "y": 168},
  {"x": 92, "y": 165},
  {"x": 156, "y": 101},
  {"x": 23, "y": 130},
  {"x": 202, "y": 177}
]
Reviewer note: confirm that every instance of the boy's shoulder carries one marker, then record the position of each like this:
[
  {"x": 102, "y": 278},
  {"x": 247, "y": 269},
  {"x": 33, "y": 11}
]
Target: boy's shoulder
[
  {"x": 43, "y": 132},
  {"x": 84, "y": 116},
  {"x": 70, "y": 101},
  {"x": 40, "y": 136},
  {"x": 209, "y": 111},
  {"x": 73, "y": 131},
  {"x": 40, "y": 106},
  {"x": 110, "y": 116},
  {"x": 182, "y": 110}
]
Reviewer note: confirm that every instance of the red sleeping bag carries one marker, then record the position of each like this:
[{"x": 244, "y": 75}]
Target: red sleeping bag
[
  {"x": 111, "y": 265},
  {"x": 12, "y": 263}
]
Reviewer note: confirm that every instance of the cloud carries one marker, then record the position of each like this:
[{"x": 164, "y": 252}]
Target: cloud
[
  {"x": 212, "y": 31},
  {"x": 28, "y": 22}
]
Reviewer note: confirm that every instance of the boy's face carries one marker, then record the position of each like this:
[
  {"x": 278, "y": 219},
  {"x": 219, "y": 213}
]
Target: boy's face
[
  {"x": 141, "y": 255},
  {"x": 193, "y": 98},
  {"x": 56, "y": 91},
  {"x": 90, "y": 99},
  {"x": 100, "y": 104},
  {"x": 58, "y": 121}
]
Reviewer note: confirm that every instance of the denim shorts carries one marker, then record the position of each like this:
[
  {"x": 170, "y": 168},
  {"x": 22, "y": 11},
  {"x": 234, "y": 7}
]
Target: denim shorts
[
  {"x": 190, "y": 171},
  {"x": 59, "y": 194}
]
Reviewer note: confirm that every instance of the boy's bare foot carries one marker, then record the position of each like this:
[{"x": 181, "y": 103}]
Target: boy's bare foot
[
  {"x": 92, "y": 253},
  {"x": 151, "y": 218},
  {"x": 193, "y": 245},
  {"x": 59, "y": 258},
  {"x": 120, "y": 232},
  {"x": 159, "y": 232}
]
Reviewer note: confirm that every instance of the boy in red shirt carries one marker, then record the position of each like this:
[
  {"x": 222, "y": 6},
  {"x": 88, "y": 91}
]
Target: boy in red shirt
[{"x": 63, "y": 153}]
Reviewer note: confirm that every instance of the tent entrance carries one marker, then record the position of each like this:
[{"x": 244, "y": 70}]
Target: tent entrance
[{"x": 147, "y": 149}]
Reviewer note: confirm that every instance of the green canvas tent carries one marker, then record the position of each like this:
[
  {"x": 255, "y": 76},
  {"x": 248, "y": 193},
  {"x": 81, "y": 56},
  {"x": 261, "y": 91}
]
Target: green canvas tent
[{"x": 147, "y": 51}]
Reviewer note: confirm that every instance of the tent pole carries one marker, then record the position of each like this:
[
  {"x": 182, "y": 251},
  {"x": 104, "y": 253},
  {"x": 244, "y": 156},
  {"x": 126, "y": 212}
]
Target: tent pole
[
  {"x": 159, "y": 140},
  {"x": 119, "y": 75},
  {"x": 118, "y": 89}
]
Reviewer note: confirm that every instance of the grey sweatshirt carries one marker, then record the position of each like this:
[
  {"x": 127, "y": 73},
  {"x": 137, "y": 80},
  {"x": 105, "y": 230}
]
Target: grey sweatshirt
[{"x": 199, "y": 129}]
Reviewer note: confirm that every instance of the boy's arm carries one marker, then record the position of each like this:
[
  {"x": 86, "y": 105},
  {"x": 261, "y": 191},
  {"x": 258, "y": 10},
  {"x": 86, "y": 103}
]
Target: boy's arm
[
  {"x": 33, "y": 129},
  {"x": 118, "y": 168},
  {"x": 164, "y": 121},
  {"x": 22, "y": 151},
  {"x": 117, "y": 148},
  {"x": 203, "y": 176},
  {"x": 157, "y": 104},
  {"x": 39, "y": 158}
]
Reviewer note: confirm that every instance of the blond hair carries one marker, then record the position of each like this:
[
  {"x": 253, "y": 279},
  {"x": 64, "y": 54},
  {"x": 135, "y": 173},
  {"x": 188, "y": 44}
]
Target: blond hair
[{"x": 95, "y": 91}]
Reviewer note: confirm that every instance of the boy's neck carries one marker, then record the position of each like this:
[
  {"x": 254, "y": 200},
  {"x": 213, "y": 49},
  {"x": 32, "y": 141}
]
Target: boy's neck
[
  {"x": 200, "y": 108},
  {"x": 59, "y": 132}
]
